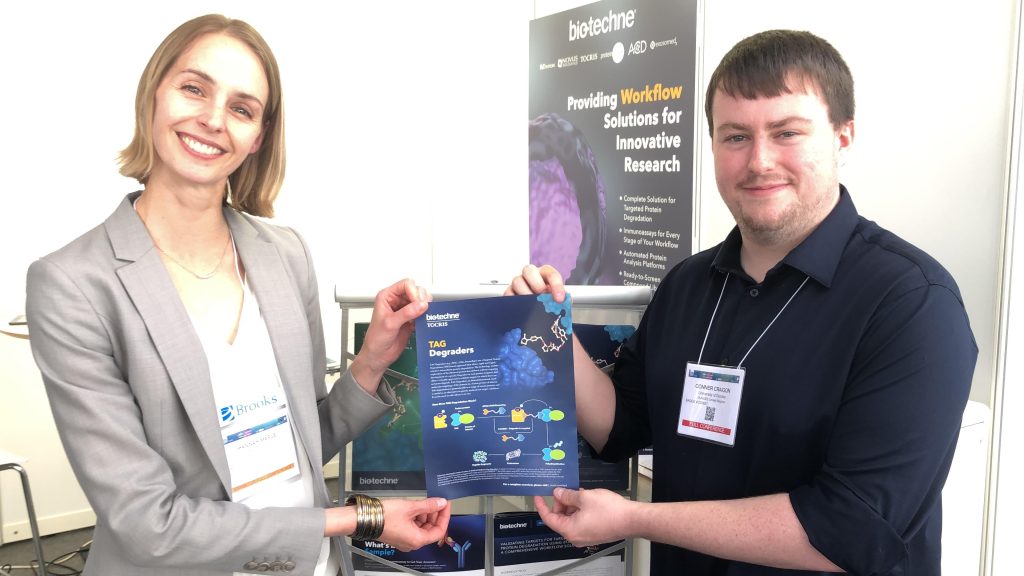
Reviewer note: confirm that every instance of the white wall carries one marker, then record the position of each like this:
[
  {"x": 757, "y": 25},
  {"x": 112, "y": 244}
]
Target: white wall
[
  {"x": 406, "y": 143},
  {"x": 1006, "y": 500},
  {"x": 392, "y": 110},
  {"x": 933, "y": 84}
]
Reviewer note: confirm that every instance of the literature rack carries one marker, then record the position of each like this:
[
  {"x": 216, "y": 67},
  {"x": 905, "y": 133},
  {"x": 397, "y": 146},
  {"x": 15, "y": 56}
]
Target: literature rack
[{"x": 599, "y": 300}]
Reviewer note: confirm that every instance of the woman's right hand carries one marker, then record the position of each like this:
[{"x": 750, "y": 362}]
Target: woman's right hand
[
  {"x": 411, "y": 524},
  {"x": 395, "y": 310},
  {"x": 534, "y": 280}
]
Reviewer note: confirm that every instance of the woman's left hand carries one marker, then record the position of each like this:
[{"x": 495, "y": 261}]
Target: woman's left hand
[{"x": 395, "y": 310}]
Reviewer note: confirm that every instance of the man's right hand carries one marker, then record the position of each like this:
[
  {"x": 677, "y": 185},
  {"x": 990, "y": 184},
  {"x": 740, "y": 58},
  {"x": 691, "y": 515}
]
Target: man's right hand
[
  {"x": 595, "y": 396},
  {"x": 534, "y": 280}
]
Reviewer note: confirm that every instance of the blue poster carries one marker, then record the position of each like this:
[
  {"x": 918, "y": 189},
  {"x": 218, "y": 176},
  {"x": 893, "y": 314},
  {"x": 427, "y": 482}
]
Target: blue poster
[
  {"x": 497, "y": 396},
  {"x": 389, "y": 454},
  {"x": 461, "y": 552}
]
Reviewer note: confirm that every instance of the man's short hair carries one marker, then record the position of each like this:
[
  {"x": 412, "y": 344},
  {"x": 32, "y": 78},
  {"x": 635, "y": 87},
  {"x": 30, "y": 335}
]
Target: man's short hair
[{"x": 769, "y": 63}]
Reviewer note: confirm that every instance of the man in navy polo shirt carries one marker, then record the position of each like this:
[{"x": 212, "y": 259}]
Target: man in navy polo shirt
[{"x": 803, "y": 382}]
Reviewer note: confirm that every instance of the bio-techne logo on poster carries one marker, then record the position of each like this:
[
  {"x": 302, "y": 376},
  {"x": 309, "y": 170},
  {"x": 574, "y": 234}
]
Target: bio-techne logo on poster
[{"x": 613, "y": 22}]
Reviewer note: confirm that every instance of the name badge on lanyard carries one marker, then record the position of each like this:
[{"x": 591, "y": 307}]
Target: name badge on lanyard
[
  {"x": 710, "y": 406},
  {"x": 260, "y": 451}
]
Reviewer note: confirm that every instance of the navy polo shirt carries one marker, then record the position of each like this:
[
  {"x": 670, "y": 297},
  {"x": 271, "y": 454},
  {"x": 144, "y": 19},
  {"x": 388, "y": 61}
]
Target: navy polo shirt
[{"x": 852, "y": 399}]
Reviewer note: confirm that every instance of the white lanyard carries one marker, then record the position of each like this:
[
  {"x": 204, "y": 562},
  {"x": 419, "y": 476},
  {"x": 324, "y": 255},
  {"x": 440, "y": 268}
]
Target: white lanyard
[
  {"x": 710, "y": 405},
  {"x": 715, "y": 311}
]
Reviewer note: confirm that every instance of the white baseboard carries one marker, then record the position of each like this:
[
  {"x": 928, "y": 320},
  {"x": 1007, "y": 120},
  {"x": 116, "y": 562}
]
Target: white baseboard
[{"x": 16, "y": 531}]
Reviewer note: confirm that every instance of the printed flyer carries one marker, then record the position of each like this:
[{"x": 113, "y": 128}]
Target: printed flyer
[
  {"x": 612, "y": 113},
  {"x": 461, "y": 552},
  {"x": 525, "y": 546},
  {"x": 497, "y": 396},
  {"x": 389, "y": 454}
]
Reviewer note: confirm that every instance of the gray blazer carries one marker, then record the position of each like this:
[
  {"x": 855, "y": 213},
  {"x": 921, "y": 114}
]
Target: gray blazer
[{"x": 130, "y": 391}]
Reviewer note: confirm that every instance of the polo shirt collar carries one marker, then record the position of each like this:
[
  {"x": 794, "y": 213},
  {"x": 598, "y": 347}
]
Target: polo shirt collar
[{"x": 817, "y": 256}]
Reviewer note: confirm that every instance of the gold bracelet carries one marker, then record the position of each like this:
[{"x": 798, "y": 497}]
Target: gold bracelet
[{"x": 369, "y": 517}]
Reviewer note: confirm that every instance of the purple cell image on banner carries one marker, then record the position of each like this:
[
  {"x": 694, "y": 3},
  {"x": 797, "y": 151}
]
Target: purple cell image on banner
[{"x": 568, "y": 220}]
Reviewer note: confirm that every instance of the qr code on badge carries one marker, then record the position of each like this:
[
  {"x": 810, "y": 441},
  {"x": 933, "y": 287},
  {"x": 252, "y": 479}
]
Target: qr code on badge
[{"x": 709, "y": 413}]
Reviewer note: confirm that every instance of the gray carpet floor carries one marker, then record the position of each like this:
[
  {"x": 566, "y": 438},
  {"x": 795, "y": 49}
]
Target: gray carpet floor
[{"x": 17, "y": 557}]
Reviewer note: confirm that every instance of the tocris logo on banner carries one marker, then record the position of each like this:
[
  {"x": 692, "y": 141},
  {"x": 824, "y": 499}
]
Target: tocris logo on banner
[{"x": 613, "y": 22}]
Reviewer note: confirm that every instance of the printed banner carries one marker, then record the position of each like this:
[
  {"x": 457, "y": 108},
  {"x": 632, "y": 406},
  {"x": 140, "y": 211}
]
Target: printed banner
[{"x": 611, "y": 131}]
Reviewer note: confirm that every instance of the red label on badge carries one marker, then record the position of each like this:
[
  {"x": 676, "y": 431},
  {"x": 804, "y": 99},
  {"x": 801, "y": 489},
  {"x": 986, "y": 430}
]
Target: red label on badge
[{"x": 709, "y": 427}]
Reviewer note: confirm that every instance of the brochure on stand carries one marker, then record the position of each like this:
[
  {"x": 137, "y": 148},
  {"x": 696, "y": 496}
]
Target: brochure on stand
[
  {"x": 389, "y": 454},
  {"x": 497, "y": 396},
  {"x": 525, "y": 546},
  {"x": 461, "y": 552},
  {"x": 602, "y": 342}
]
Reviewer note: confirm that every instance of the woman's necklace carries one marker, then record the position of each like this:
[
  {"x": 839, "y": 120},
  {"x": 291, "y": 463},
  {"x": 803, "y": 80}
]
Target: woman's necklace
[{"x": 206, "y": 276}]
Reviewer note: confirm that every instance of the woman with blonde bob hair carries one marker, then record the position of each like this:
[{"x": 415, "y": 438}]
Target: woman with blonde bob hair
[
  {"x": 255, "y": 184},
  {"x": 182, "y": 349}
]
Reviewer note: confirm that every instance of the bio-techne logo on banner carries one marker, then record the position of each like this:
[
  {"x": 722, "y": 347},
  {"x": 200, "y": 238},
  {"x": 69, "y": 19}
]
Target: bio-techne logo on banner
[{"x": 613, "y": 22}]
